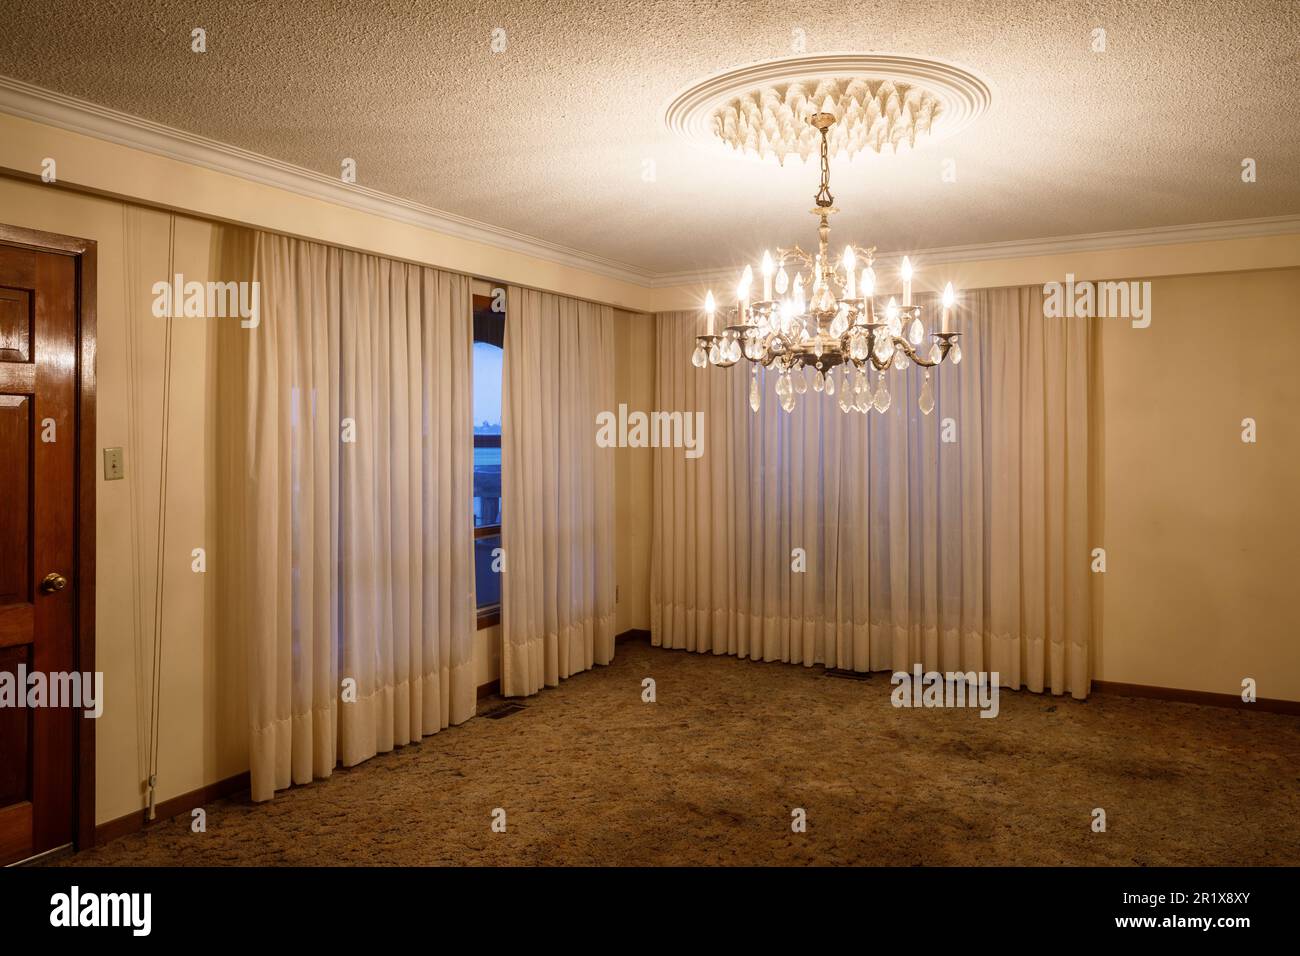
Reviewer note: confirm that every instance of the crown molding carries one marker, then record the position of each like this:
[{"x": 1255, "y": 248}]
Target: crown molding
[
  {"x": 40, "y": 105},
  {"x": 1052, "y": 246},
  {"x": 31, "y": 102}
]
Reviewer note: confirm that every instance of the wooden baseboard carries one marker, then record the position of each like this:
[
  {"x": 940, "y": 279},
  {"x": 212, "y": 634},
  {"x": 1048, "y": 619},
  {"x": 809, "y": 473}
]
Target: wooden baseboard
[
  {"x": 1205, "y": 697},
  {"x": 170, "y": 808},
  {"x": 488, "y": 689}
]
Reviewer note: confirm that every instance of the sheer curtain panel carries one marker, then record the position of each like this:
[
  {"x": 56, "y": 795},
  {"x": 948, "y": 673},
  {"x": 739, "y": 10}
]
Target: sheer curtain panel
[
  {"x": 359, "y": 574},
  {"x": 957, "y": 540},
  {"x": 557, "y": 489}
]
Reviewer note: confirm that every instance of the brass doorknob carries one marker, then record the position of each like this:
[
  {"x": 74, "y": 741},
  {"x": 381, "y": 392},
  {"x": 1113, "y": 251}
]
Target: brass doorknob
[{"x": 53, "y": 582}]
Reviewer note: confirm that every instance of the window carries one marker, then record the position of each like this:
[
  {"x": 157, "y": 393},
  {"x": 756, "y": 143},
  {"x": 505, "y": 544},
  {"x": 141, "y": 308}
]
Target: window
[{"x": 489, "y": 338}]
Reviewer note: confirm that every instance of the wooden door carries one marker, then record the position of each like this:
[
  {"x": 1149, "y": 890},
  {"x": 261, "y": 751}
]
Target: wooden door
[{"x": 38, "y": 511}]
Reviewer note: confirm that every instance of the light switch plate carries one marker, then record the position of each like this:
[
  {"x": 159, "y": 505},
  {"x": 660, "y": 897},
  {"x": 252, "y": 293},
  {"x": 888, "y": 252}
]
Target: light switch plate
[{"x": 113, "y": 467}]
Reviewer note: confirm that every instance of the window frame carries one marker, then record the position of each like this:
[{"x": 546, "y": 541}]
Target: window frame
[{"x": 489, "y": 616}]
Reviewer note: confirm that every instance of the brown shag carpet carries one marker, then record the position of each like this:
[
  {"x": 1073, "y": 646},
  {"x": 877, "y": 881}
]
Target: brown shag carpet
[{"x": 588, "y": 774}]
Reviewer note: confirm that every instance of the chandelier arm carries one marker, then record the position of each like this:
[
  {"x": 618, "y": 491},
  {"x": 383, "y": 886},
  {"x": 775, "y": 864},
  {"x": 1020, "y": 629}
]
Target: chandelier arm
[
  {"x": 797, "y": 254},
  {"x": 910, "y": 351}
]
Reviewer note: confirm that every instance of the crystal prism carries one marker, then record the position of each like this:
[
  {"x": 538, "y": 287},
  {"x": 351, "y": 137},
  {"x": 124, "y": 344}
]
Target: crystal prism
[
  {"x": 917, "y": 333},
  {"x": 699, "y": 358},
  {"x": 754, "y": 397},
  {"x": 881, "y": 401},
  {"x": 954, "y": 353},
  {"x": 926, "y": 400}
]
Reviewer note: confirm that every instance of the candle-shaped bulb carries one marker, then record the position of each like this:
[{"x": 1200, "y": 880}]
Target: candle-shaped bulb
[
  {"x": 742, "y": 296},
  {"x": 709, "y": 307},
  {"x": 868, "y": 282},
  {"x": 907, "y": 281},
  {"x": 798, "y": 295},
  {"x": 948, "y": 296},
  {"x": 891, "y": 309},
  {"x": 768, "y": 269}
]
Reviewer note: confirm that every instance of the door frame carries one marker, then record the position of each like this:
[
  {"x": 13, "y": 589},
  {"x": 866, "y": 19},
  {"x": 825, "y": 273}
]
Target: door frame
[{"x": 85, "y": 255}]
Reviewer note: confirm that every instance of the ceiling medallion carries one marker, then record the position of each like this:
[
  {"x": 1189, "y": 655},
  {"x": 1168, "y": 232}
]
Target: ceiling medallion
[
  {"x": 881, "y": 102},
  {"x": 825, "y": 320}
]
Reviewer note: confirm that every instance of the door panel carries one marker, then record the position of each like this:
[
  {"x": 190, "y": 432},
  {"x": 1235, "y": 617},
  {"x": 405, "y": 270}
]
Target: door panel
[
  {"x": 15, "y": 325},
  {"x": 38, "y": 439},
  {"x": 15, "y": 528}
]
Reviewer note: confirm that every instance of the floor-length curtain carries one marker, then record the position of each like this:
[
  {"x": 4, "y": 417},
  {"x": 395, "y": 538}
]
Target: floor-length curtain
[
  {"x": 957, "y": 540},
  {"x": 359, "y": 557},
  {"x": 557, "y": 490}
]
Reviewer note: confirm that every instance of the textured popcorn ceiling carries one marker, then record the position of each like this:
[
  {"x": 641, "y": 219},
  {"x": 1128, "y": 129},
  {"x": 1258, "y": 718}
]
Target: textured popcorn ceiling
[{"x": 557, "y": 136}]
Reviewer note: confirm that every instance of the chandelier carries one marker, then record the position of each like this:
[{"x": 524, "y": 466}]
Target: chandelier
[{"x": 829, "y": 321}]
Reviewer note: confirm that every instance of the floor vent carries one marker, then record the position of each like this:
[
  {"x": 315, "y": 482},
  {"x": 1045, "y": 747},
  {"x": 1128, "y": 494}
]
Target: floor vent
[
  {"x": 502, "y": 710},
  {"x": 844, "y": 674}
]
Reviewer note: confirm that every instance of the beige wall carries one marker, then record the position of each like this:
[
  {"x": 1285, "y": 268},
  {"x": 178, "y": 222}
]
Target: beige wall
[
  {"x": 202, "y": 733},
  {"x": 1200, "y": 529}
]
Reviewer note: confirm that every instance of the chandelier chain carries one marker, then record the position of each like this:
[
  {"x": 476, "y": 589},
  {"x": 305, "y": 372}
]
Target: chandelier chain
[{"x": 824, "y": 197}]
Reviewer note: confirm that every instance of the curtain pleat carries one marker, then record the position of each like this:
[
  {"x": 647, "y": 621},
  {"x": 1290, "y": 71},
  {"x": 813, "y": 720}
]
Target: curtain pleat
[
  {"x": 956, "y": 540},
  {"x": 359, "y": 563},
  {"x": 557, "y": 491}
]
